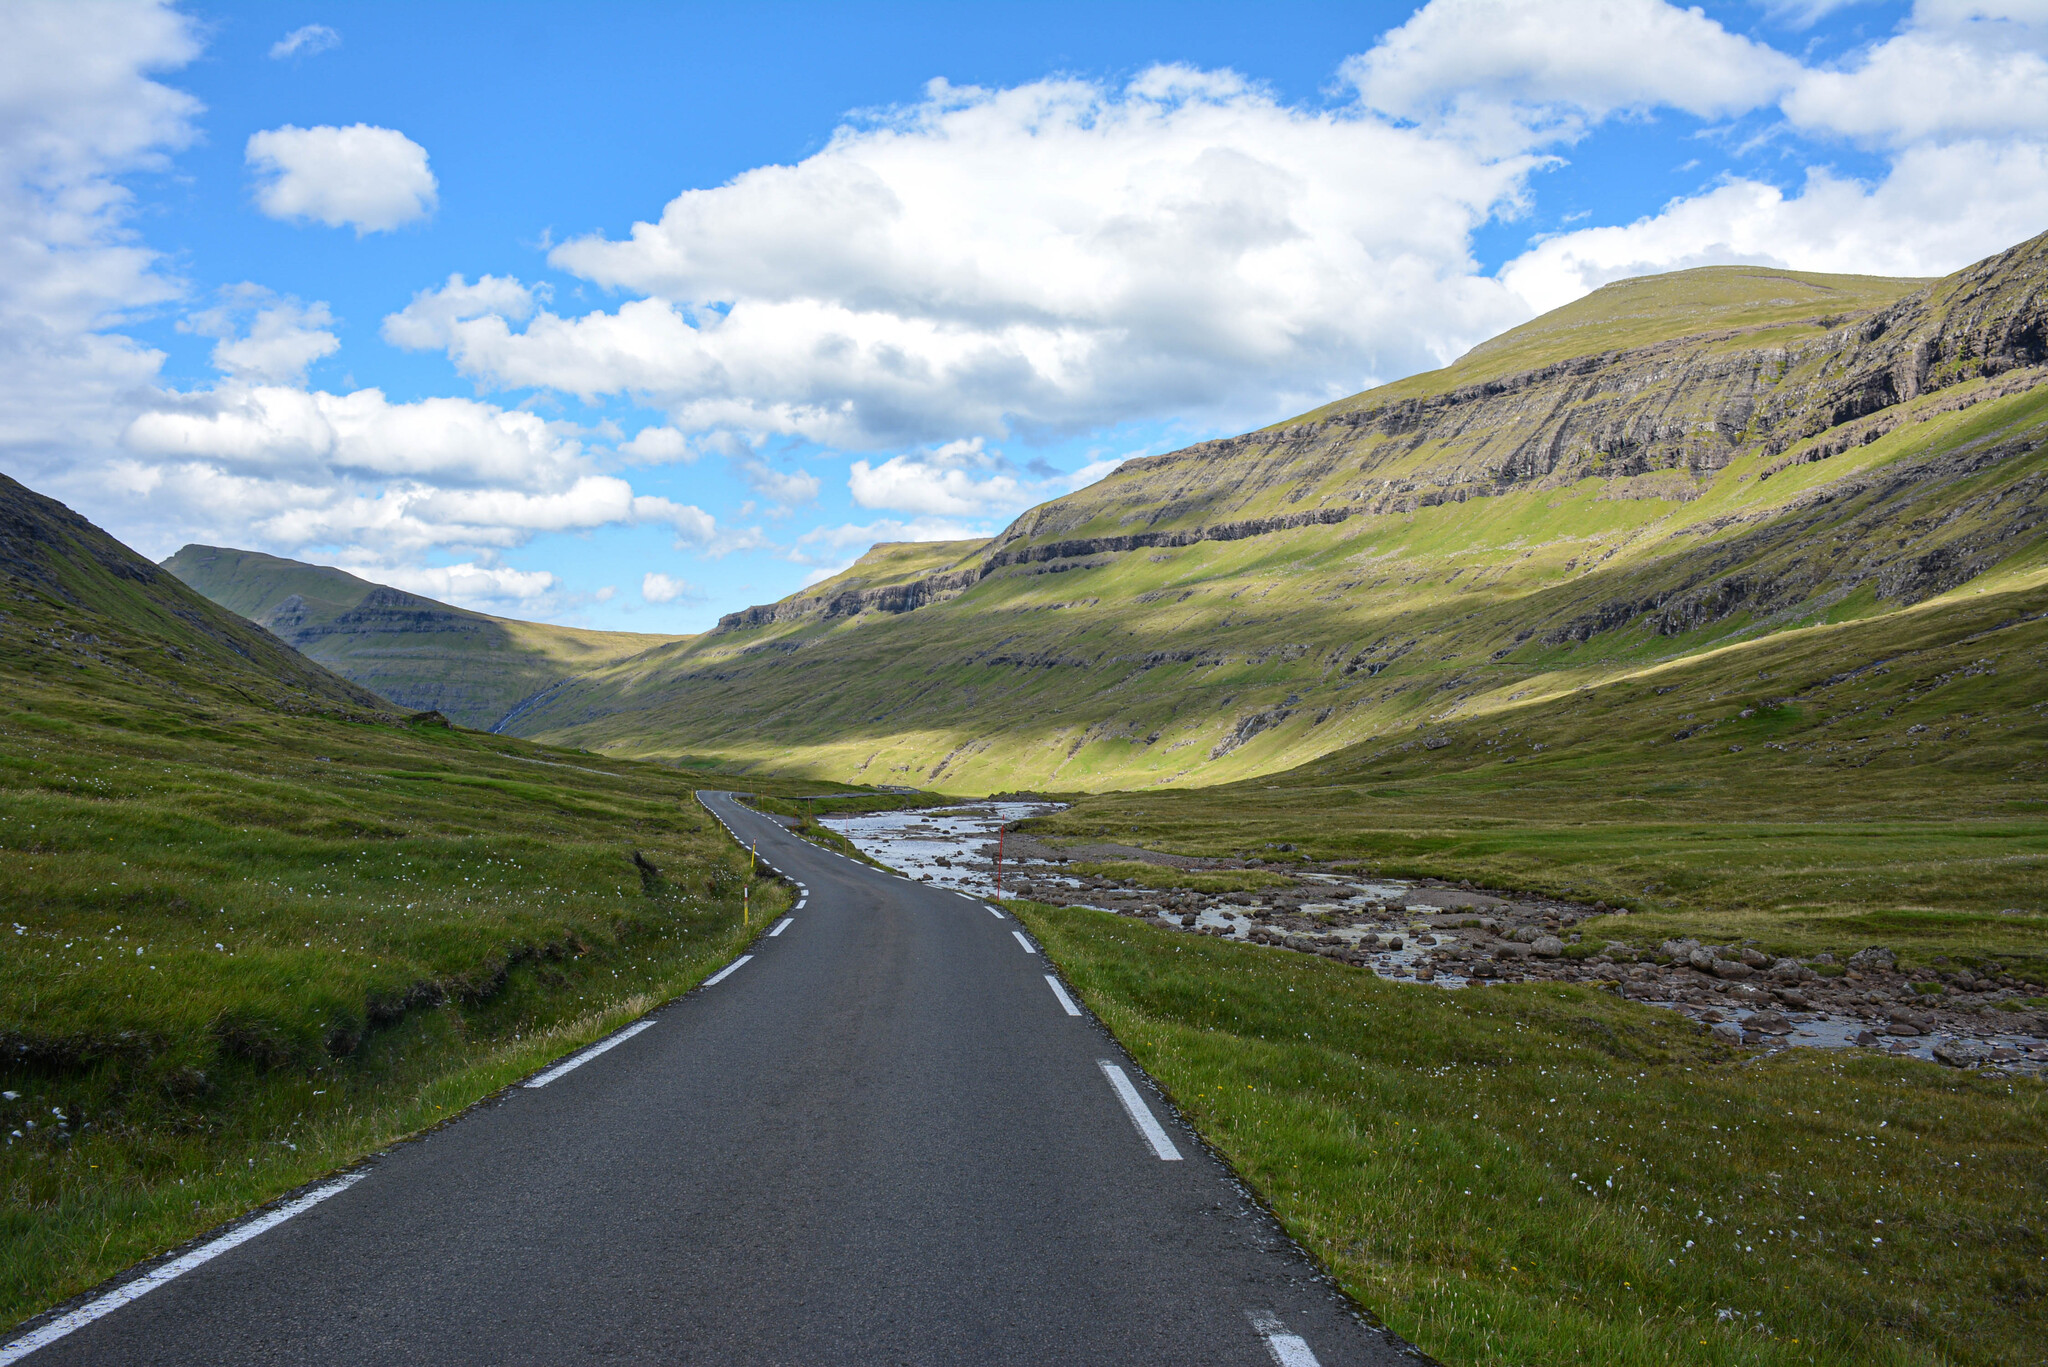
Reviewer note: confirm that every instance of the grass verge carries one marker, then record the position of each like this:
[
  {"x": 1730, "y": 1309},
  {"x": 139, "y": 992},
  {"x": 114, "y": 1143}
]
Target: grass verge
[
  {"x": 1550, "y": 1174},
  {"x": 243, "y": 949}
]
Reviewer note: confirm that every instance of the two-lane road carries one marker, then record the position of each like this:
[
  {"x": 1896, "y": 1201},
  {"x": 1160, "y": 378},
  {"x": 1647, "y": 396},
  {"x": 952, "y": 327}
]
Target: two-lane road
[{"x": 887, "y": 1136}]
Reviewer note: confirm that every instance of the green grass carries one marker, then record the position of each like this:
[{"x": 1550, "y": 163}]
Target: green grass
[
  {"x": 348, "y": 928},
  {"x": 1165, "y": 879},
  {"x": 345, "y": 931},
  {"x": 1886, "y": 788},
  {"x": 1551, "y": 1174}
]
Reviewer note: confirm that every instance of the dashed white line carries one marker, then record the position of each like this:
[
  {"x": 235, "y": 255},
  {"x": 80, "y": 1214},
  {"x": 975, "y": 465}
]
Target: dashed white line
[
  {"x": 569, "y": 1065},
  {"x": 800, "y": 904},
  {"x": 722, "y": 974},
  {"x": 1028, "y": 947},
  {"x": 780, "y": 926},
  {"x": 993, "y": 912},
  {"x": 1288, "y": 1350},
  {"x": 1135, "y": 1108},
  {"x": 1061, "y": 993},
  {"x": 177, "y": 1267}
]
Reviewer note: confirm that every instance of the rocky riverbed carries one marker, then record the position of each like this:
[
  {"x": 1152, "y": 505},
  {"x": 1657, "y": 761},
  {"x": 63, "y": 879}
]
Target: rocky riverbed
[{"x": 1456, "y": 935}]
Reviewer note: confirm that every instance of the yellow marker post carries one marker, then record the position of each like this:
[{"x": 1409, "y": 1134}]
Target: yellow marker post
[{"x": 747, "y": 905}]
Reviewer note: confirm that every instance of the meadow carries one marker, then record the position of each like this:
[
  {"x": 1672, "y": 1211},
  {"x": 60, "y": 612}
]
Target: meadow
[{"x": 1546, "y": 1174}]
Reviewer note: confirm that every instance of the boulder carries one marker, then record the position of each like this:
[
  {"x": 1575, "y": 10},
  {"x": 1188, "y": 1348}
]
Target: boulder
[
  {"x": 1731, "y": 968},
  {"x": 1511, "y": 950},
  {"x": 1769, "y": 1023},
  {"x": 1701, "y": 958},
  {"x": 1871, "y": 959},
  {"x": 1728, "y": 1032},
  {"x": 1963, "y": 1053},
  {"x": 1525, "y": 935},
  {"x": 1755, "y": 958},
  {"x": 1678, "y": 949},
  {"x": 1547, "y": 947}
]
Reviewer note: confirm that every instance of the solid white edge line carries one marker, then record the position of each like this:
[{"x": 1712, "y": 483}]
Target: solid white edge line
[
  {"x": 780, "y": 926},
  {"x": 993, "y": 912},
  {"x": 722, "y": 973},
  {"x": 1288, "y": 1350},
  {"x": 578, "y": 1060},
  {"x": 177, "y": 1267},
  {"x": 1061, "y": 993},
  {"x": 1134, "y": 1107},
  {"x": 1028, "y": 949}
]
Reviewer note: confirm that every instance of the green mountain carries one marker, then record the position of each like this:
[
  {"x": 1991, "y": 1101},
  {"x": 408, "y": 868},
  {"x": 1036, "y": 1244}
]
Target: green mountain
[
  {"x": 1671, "y": 466},
  {"x": 423, "y": 655},
  {"x": 85, "y": 609}
]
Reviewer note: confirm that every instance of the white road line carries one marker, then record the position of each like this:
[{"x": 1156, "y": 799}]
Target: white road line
[
  {"x": 1288, "y": 1350},
  {"x": 1028, "y": 949},
  {"x": 780, "y": 926},
  {"x": 571, "y": 1064},
  {"x": 800, "y": 904},
  {"x": 993, "y": 912},
  {"x": 177, "y": 1267},
  {"x": 1134, "y": 1107},
  {"x": 729, "y": 969},
  {"x": 1061, "y": 993}
]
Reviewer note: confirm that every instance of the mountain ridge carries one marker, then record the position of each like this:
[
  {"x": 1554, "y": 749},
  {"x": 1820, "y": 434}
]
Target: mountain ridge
[
  {"x": 1216, "y": 612},
  {"x": 423, "y": 654}
]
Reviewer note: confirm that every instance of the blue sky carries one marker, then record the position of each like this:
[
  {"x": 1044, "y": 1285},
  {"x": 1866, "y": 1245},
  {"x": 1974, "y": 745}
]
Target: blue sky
[{"x": 629, "y": 315}]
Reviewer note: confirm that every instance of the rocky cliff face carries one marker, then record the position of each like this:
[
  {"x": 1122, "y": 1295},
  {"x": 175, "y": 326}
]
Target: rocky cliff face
[{"x": 1818, "y": 448}]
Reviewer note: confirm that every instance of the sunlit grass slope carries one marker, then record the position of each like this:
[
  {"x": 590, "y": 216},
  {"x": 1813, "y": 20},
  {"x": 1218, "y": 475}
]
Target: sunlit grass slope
[
  {"x": 421, "y": 654},
  {"x": 255, "y": 926},
  {"x": 1220, "y": 660}
]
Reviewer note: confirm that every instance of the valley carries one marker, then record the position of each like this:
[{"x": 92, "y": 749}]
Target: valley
[{"x": 1664, "y": 676}]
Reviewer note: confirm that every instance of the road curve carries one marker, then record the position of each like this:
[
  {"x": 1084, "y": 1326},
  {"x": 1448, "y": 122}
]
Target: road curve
[{"x": 884, "y": 1137}]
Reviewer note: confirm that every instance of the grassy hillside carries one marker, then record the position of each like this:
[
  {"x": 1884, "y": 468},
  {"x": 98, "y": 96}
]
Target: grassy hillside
[
  {"x": 1745, "y": 453},
  {"x": 423, "y": 655},
  {"x": 259, "y": 926}
]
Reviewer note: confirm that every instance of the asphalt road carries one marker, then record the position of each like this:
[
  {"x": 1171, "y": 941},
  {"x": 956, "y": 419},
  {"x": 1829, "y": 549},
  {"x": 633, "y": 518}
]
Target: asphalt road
[{"x": 882, "y": 1139}]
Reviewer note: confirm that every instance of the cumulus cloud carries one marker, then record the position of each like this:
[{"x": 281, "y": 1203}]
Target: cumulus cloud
[
  {"x": 281, "y": 339},
  {"x": 783, "y": 488},
  {"x": 658, "y": 446},
  {"x": 469, "y": 584},
  {"x": 660, "y": 588},
  {"x": 1502, "y": 68},
  {"x": 304, "y": 42},
  {"x": 80, "y": 106},
  {"x": 958, "y": 479},
  {"x": 1956, "y": 71},
  {"x": 1040, "y": 259},
  {"x": 370, "y": 179}
]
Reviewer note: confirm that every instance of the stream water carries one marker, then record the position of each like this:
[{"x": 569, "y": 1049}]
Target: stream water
[{"x": 954, "y": 847}]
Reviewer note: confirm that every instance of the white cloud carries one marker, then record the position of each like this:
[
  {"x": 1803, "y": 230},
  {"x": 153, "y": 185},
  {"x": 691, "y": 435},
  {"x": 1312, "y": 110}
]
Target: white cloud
[
  {"x": 305, "y": 41},
  {"x": 660, "y": 588},
  {"x": 958, "y": 479},
  {"x": 79, "y": 107},
  {"x": 784, "y": 488},
  {"x": 1906, "y": 224},
  {"x": 371, "y": 179},
  {"x": 658, "y": 446},
  {"x": 1956, "y": 71},
  {"x": 469, "y": 584},
  {"x": 1044, "y": 258},
  {"x": 282, "y": 339},
  {"x": 1495, "y": 68}
]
